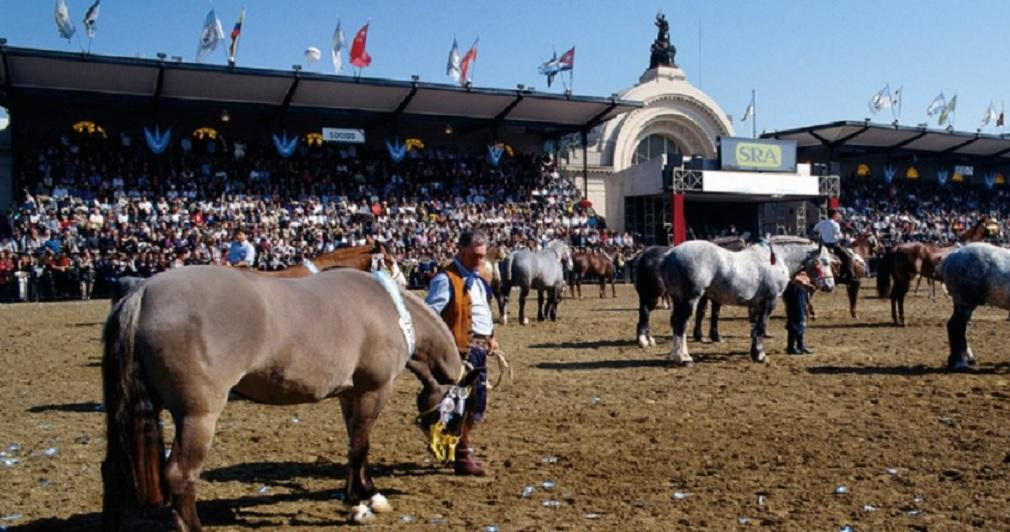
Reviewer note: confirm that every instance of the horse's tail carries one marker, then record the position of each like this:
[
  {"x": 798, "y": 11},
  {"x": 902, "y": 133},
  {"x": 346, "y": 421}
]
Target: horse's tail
[
  {"x": 884, "y": 269},
  {"x": 134, "y": 461}
]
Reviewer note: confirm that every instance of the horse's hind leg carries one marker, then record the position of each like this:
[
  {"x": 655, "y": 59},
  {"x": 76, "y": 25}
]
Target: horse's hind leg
[
  {"x": 193, "y": 436},
  {"x": 540, "y": 305},
  {"x": 679, "y": 319},
  {"x": 758, "y": 328},
  {"x": 359, "y": 414},
  {"x": 957, "y": 330},
  {"x": 603, "y": 286},
  {"x": 699, "y": 317},
  {"x": 646, "y": 304},
  {"x": 900, "y": 291},
  {"x": 503, "y": 303},
  {"x": 524, "y": 291}
]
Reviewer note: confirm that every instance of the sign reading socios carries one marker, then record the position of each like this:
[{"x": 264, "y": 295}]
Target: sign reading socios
[
  {"x": 757, "y": 154},
  {"x": 353, "y": 136}
]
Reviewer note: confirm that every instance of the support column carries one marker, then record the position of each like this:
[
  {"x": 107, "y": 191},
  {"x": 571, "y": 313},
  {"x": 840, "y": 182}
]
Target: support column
[
  {"x": 833, "y": 202},
  {"x": 678, "y": 219},
  {"x": 585, "y": 164}
]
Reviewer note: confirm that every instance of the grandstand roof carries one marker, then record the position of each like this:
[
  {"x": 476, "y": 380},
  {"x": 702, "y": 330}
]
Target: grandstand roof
[
  {"x": 39, "y": 71},
  {"x": 888, "y": 137}
]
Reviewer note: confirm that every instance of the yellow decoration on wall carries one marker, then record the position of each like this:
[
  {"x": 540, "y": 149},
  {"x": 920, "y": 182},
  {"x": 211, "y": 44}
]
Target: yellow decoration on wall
[
  {"x": 1000, "y": 180},
  {"x": 863, "y": 170},
  {"x": 314, "y": 139},
  {"x": 911, "y": 173},
  {"x": 205, "y": 132},
  {"x": 89, "y": 127},
  {"x": 507, "y": 148},
  {"x": 958, "y": 178},
  {"x": 415, "y": 144}
]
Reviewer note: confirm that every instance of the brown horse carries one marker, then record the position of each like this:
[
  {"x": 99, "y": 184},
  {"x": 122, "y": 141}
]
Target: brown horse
[
  {"x": 593, "y": 263},
  {"x": 188, "y": 337},
  {"x": 862, "y": 248},
  {"x": 369, "y": 257},
  {"x": 901, "y": 264}
]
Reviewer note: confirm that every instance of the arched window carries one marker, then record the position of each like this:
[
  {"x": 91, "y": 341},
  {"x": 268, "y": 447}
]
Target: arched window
[{"x": 653, "y": 146}]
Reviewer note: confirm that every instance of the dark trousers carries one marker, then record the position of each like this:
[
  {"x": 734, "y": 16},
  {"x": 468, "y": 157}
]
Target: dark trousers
[
  {"x": 796, "y": 298},
  {"x": 477, "y": 357}
]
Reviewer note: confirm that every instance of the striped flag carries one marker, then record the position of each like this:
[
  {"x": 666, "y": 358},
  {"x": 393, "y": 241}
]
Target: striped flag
[
  {"x": 465, "y": 71},
  {"x": 337, "y": 49},
  {"x": 63, "y": 23},
  {"x": 452, "y": 68},
  {"x": 210, "y": 35},
  {"x": 236, "y": 32}
]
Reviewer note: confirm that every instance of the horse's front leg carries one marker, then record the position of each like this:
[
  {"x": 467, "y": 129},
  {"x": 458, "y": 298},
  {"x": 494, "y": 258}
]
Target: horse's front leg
[
  {"x": 646, "y": 304},
  {"x": 552, "y": 304},
  {"x": 957, "y": 336},
  {"x": 853, "y": 291},
  {"x": 503, "y": 302},
  {"x": 758, "y": 329},
  {"x": 679, "y": 318},
  {"x": 360, "y": 413}
]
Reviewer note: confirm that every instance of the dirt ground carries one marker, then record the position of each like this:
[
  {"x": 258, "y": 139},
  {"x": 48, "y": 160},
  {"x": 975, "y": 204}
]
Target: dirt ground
[{"x": 869, "y": 431}]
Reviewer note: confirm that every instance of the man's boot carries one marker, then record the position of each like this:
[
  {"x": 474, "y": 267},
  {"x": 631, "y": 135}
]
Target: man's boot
[
  {"x": 791, "y": 343},
  {"x": 466, "y": 463},
  {"x": 801, "y": 347}
]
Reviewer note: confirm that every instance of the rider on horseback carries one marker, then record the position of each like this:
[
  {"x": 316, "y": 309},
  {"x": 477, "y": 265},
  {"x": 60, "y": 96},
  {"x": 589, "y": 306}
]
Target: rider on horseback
[{"x": 829, "y": 232}]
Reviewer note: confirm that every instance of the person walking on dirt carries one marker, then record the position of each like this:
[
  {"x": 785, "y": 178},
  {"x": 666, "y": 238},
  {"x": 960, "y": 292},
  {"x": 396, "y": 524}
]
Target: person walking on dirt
[
  {"x": 462, "y": 298},
  {"x": 797, "y": 296}
]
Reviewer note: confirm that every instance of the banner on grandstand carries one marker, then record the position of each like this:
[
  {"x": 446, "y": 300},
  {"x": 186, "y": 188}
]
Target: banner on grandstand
[
  {"x": 350, "y": 136},
  {"x": 758, "y": 155},
  {"x": 768, "y": 184}
]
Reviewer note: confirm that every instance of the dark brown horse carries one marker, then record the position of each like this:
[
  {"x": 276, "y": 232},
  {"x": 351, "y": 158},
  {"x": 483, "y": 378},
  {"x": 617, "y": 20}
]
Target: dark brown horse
[
  {"x": 593, "y": 263},
  {"x": 901, "y": 264},
  {"x": 862, "y": 248}
]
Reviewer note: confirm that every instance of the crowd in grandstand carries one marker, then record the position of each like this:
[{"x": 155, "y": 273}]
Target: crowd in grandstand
[
  {"x": 905, "y": 210},
  {"x": 95, "y": 209}
]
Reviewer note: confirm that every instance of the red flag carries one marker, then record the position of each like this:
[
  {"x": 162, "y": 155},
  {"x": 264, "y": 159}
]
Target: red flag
[
  {"x": 567, "y": 61},
  {"x": 359, "y": 57},
  {"x": 468, "y": 60}
]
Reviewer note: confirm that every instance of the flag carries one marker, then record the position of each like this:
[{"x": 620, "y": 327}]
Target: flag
[
  {"x": 1000, "y": 120},
  {"x": 90, "y": 19},
  {"x": 749, "y": 112},
  {"x": 452, "y": 68},
  {"x": 989, "y": 116},
  {"x": 948, "y": 109},
  {"x": 235, "y": 33},
  {"x": 210, "y": 35},
  {"x": 312, "y": 54},
  {"x": 337, "y": 49},
  {"x": 881, "y": 100},
  {"x": 359, "y": 57},
  {"x": 468, "y": 60},
  {"x": 63, "y": 23},
  {"x": 938, "y": 104},
  {"x": 556, "y": 65}
]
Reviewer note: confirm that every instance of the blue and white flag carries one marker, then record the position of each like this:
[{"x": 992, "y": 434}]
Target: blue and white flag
[
  {"x": 397, "y": 151},
  {"x": 942, "y": 176},
  {"x": 285, "y": 147},
  {"x": 157, "y": 140},
  {"x": 889, "y": 173},
  {"x": 990, "y": 180},
  {"x": 337, "y": 49},
  {"x": 494, "y": 153},
  {"x": 938, "y": 104},
  {"x": 211, "y": 34},
  {"x": 453, "y": 67},
  {"x": 63, "y": 23},
  {"x": 90, "y": 19}
]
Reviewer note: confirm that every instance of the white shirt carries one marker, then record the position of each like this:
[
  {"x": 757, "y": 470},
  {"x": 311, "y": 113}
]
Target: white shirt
[
  {"x": 439, "y": 293},
  {"x": 829, "y": 231}
]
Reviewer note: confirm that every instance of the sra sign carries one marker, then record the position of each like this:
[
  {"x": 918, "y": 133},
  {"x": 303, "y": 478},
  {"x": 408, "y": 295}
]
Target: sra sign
[{"x": 757, "y": 155}]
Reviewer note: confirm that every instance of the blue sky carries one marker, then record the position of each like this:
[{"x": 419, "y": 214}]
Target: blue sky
[{"x": 809, "y": 61}]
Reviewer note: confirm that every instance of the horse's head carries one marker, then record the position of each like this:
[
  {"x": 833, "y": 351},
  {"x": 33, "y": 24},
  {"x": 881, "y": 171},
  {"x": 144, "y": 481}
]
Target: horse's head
[
  {"x": 564, "y": 254},
  {"x": 818, "y": 268},
  {"x": 383, "y": 260}
]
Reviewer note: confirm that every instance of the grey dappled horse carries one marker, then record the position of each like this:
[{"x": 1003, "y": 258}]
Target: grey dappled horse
[
  {"x": 544, "y": 271},
  {"x": 976, "y": 274},
  {"x": 754, "y": 278},
  {"x": 188, "y": 337}
]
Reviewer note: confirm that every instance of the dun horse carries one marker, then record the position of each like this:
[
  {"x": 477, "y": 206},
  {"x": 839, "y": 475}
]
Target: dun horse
[
  {"x": 593, "y": 263},
  {"x": 754, "y": 277},
  {"x": 188, "y": 337},
  {"x": 543, "y": 270}
]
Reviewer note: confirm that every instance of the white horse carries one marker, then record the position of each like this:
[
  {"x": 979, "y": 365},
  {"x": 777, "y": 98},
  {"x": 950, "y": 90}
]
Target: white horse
[
  {"x": 976, "y": 274},
  {"x": 754, "y": 277},
  {"x": 543, "y": 270}
]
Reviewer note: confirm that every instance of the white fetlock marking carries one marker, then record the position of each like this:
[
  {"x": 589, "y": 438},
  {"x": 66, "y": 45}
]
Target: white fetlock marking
[
  {"x": 652, "y": 341},
  {"x": 526, "y": 321},
  {"x": 679, "y": 352},
  {"x": 504, "y": 319},
  {"x": 362, "y": 515},
  {"x": 379, "y": 504},
  {"x": 762, "y": 357},
  {"x": 643, "y": 341}
]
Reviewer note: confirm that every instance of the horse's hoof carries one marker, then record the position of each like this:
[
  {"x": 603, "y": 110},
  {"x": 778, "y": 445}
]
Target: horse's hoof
[
  {"x": 379, "y": 504},
  {"x": 504, "y": 320},
  {"x": 362, "y": 515},
  {"x": 652, "y": 341},
  {"x": 972, "y": 361},
  {"x": 958, "y": 366},
  {"x": 760, "y": 358},
  {"x": 525, "y": 321},
  {"x": 698, "y": 338},
  {"x": 643, "y": 341},
  {"x": 715, "y": 339}
]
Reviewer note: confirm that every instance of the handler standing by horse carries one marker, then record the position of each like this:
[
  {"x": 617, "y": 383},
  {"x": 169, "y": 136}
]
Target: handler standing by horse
[
  {"x": 462, "y": 298},
  {"x": 830, "y": 234}
]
